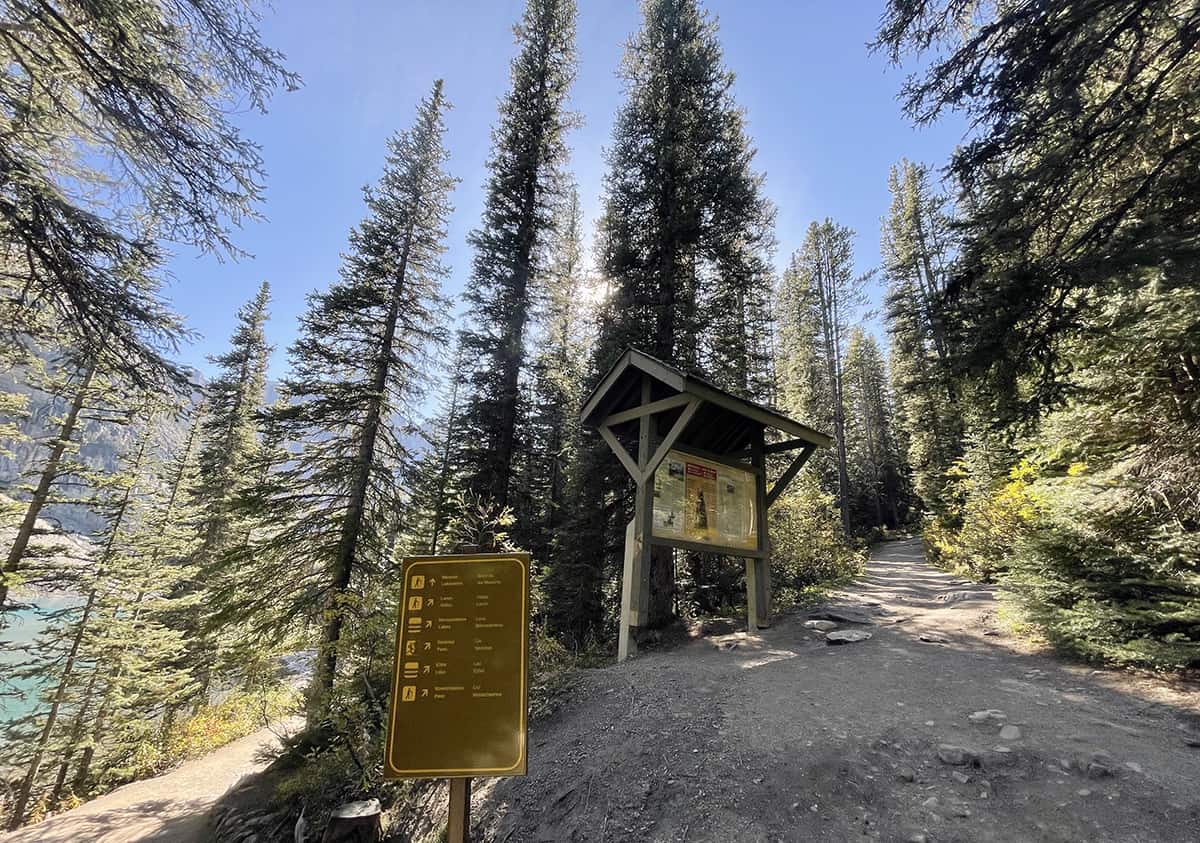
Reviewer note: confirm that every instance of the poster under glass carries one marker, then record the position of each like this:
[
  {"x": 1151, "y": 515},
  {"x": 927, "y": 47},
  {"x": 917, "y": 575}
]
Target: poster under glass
[{"x": 703, "y": 501}]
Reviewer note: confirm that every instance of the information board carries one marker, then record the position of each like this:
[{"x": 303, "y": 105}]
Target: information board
[
  {"x": 459, "y": 693},
  {"x": 703, "y": 501}
]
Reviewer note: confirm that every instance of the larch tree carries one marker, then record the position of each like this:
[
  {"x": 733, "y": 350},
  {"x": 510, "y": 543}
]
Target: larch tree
[
  {"x": 356, "y": 376},
  {"x": 525, "y": 184},
  {"x": 120, "y": 112}
]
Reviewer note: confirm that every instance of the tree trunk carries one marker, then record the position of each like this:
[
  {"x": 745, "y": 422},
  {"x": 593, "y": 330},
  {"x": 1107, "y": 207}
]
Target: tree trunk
[
  {"x": 662, "y": 587},
  {"x": 48, "y": 476},
  {"x": 68, "y": 668},
  {"x": 74, "y": 735},
  {"x": 326, "y": 667},
  {"x": 60, "y": 693}
]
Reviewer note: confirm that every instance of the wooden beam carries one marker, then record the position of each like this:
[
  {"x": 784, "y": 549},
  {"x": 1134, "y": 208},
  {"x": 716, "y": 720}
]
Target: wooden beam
[
  {"x": 704, "y": 547},
  {"x": 606, "y": 383},
  {"x": 622, "y": 454},
  {"x": 786, "y": 445},
  {"x": 458, "y": 825},
  {"x": 792, "y": 471},
  {"x": 647, "y": 409},
  {"x": 758, "y": 571},
  {"x": 669, "y": 440}
]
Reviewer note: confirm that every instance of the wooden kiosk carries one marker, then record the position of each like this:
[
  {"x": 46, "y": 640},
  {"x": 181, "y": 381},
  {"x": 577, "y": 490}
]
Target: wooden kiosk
[{"x": 698, "y": 457}]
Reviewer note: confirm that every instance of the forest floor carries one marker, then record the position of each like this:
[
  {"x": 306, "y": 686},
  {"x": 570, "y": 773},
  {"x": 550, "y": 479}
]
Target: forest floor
[
  {"x": 780, "y": 736},
  {"x": 172, "y": 807}
]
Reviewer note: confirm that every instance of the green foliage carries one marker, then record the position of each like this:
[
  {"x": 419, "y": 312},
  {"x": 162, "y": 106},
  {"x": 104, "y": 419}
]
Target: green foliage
[
  {"x": 122, "y": 132},
  {"x": 1075, "y": 335},
  {"x": 819, "y": 298},
  {"x": 237, "y": 714},
  {"x": 808, "y": 547},
  {"x": 875, "y": 467},
  {"x": 917, "y": 248},
  {"x": 512, "y": 246},
  {"x": 328, "y": 511}
]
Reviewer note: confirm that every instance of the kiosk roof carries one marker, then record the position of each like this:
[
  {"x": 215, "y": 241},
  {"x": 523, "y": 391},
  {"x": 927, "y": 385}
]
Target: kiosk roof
[{"x": 724, "y": 423}]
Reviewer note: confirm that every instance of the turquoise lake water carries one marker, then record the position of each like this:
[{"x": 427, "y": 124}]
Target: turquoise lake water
[{"x": 18, "y": 696}]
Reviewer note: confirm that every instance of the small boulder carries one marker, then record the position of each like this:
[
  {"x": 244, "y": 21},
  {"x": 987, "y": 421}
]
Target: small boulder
[
  {"x": 822, "y": 626},
  {"x": 960, "y": 777},
  {"x": 932, "y": 638},
  {"x": 843, "y": 616},
  {"x": 846, "y": 636},
  {"x": 905, "y": 774},
  {"x": 1010, "y": 733},
  {"x": 987, "y": 715},
  {"x": 1100, "y": 765},
  {"x": 955, "y": 756}
]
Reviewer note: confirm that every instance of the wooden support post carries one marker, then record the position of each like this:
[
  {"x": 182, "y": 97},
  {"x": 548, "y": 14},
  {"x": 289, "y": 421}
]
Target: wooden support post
[
  {"x": 752, "y": 612},
  {"x": 643, "y": 514},
  {"x": 758, "y": 571},
  {"x": 626, "y": 644},
  {"x": 458, "y": 828}
]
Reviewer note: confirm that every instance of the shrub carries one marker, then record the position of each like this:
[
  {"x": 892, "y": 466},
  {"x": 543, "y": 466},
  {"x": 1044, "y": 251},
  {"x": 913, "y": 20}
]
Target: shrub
[{"x": 808, "y": 547}]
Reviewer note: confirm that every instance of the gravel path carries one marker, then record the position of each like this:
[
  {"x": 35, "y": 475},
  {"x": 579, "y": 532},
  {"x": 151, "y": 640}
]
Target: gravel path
[
  {"x": 172, "y": 807},
  {"x": 783, "y": 737}
]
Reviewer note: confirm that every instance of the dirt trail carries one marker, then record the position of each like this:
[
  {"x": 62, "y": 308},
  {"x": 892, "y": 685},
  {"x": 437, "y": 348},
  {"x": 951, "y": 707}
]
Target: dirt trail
[
  {"x": 782, "y": 737},
  {"x": 172, "y": 807}
]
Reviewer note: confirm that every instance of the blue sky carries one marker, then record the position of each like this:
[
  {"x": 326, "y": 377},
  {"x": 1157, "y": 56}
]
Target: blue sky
[{"x": 822, "y": 112}]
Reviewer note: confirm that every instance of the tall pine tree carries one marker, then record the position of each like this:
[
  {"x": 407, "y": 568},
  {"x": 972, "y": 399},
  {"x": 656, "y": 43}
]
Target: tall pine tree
[
  {"x": 684, "y": 244},
  {"x": 525, "y": 183},
  {"x": 818, "y": 302},
  {"x": 917, "y": 246},
  {"x": 356, "y": 375}
]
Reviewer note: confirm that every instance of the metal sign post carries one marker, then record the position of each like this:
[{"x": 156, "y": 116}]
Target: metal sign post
[{"x": 460, "y": 685}]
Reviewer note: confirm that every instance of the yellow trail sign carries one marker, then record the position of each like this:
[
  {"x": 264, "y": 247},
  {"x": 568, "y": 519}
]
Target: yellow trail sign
[{"x": 460, "y": 684}]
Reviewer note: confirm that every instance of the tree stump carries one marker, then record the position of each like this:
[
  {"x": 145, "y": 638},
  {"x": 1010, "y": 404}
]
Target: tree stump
[{"x": 355, "y": 822}]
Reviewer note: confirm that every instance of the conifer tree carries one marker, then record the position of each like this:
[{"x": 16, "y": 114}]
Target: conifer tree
[
  {"x": 229, "y": 432},
  {"x": 820, "y": 299},
  {"x": 558, "y": 378},
  {"x": 1073, "y": 309},
  {"x": 436, "y": 480},
  {"x": 356, "y": 374},
  {"x": 917, "y": 247},
  {"x": 119, "y": 111},
  {"x": 874, "y": 462},
  {"x": 70, "y": 645},
  {"x": 684, "y": 244},
  {"x": 229, "y": 426},
  {"x": 524, "y": 185},
  {"x": 88, "y": 394}
]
